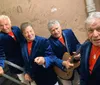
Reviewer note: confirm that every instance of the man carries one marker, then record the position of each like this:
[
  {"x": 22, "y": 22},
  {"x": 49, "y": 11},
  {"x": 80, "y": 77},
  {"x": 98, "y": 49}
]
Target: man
[
  {"x": 35, "y": 46},
  {"x": 61, "y": 42},
  {"x": 10, "y": 47},
  {"x": 90, "y": 52}
]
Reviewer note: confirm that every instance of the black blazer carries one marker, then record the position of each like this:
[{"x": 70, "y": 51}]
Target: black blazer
[
  {"x": 10, "y": 49},
  {"x": 86, "y": 77}
]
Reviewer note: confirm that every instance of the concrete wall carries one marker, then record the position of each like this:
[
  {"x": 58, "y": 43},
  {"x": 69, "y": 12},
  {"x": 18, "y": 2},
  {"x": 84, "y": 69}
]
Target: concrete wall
[
  {"x": 70, "y": 13},
  {"x": 97, "y": 4}
]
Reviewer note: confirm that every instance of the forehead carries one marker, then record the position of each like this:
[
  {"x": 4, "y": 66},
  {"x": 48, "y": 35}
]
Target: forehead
[
  {"x": 95, "y": 24},
  {"x": 28, "y": 28},
  {"x": 3, "y": 21},
  {"x": 54, "y": 26}
]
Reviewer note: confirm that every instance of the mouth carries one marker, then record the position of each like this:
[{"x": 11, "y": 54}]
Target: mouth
[{"x": 96, "y": 40}]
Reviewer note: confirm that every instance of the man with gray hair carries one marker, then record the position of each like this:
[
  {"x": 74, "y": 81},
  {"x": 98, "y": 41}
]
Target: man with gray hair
[
  {"x": 90, "y": 52},
  {"x": 63, "y": 41},
  {"x": 10, "y": 46}
]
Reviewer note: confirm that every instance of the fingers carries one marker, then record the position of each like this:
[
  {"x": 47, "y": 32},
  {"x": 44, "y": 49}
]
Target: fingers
[
  {"x": 76, "y": 56},
  {"x": 1, "y": 70},
  {"x": 27, "y": 77},
  {"x": 74, "y": 53},
  {"x": 67, "y": 64},
  {"x": 39, "y": 60}
]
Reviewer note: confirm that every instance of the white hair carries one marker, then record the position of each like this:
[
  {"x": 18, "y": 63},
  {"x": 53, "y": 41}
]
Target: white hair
[
  {"x": 91, "y": 18},
  {"x": 51, "y": 23},
  {"x": 5, "y": 17}
]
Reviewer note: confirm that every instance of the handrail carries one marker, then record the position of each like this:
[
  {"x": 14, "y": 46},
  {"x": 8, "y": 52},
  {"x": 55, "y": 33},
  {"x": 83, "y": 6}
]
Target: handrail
[
  {"x": 14, "y": 65},
  {"x": 11, "y": 78}
]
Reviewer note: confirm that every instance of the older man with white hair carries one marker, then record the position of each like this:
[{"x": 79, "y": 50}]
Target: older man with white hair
[
  {"x": 90, "y": 52},
  {"x": 10, "y": 46}
]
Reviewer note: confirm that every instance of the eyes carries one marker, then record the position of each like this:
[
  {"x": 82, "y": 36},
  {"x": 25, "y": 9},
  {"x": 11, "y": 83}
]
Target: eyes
[
  {"x": 28, "y": 32},
  {"x": 92, "y": 30},
  {"x": 55, "y": 29},
  {"x": 4, "y": 25}
]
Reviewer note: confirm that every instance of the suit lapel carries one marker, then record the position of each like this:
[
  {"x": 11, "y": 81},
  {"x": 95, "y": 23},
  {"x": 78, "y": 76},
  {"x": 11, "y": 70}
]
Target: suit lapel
[
  {"x": 35, "y": 48},
  {"x": 25, "y": 51},
  {"x": 66, "y": 42},
  {"x": 56, "y": 42},
  {"x": 87, "y": 55},
  {"x": 97, "y": 64},
  {"x": 15, "y": 33}
]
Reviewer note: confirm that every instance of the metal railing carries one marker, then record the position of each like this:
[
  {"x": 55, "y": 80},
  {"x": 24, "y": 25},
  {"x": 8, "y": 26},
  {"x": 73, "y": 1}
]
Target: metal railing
[{"x": 11, "y": 78}]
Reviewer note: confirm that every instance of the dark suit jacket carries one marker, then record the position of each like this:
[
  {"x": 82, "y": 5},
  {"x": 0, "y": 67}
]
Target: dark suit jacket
[
  {"x": 10, "y": 49},
  {"x": 40, "y": 47},
  {"x": 86, "y": 77},
  {"x": 59, "y": 49}
]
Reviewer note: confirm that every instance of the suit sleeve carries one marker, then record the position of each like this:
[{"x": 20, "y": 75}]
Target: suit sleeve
[
  {"x": 50, "y": 57},
  {"x": 2, "y": 56}
]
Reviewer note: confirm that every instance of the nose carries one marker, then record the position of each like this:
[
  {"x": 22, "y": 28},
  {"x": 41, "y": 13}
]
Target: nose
[
  {"x": 29, "y": 33},
  {"x": 56, "y": 31},
  {"x": 4, "y": 27},
  {"x": 95, "y": 33}
]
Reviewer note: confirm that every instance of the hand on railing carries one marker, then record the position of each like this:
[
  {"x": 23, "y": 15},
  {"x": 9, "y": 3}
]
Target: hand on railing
[
  {"x": 9, "y": 77},
  {"x": 1, "y": 71},
  {"x": 27, "y": 77}
]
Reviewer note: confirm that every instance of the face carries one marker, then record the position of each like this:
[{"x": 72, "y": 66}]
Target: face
[
  {"x": 5, "y": 26},
  {"x": 56, "y": 31},
  {"x": 29, "y": 33},
  {"x": 94, "y": 32}
]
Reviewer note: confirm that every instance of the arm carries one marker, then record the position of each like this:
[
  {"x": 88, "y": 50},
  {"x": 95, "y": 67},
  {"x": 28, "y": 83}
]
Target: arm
[
  {"x": 47, "y": 58},
  {"x": 51, "y": 59},
  {"x": 2, "y": 58}
]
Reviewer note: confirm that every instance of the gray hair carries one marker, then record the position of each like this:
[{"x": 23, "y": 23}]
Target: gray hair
[
  {"x": 92, "y": 17},
  {"x": 5, "y": 17},
  {"x": 24, "y": 25},
  {"x": 51, "y": 23}
]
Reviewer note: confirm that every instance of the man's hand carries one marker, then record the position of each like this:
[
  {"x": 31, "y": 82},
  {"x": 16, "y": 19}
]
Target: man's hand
[
  {"x": 39, "y": 60},
  {"x": 1, "y": 70},
  {"x": 67, "y": 64},
  {"x": 27, "y": 77},
  {"x": 76, "y": 56}
]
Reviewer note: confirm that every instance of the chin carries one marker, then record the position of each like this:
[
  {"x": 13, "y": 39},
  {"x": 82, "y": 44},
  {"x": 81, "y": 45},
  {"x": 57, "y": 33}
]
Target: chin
[
  {"x": 57, "y": 36},
  {"x": 97, "y": 44}
]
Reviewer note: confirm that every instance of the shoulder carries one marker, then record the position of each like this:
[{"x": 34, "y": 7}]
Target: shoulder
[
  {"x": 67, "y": 30},
  {"x": 15, "y": 27},
  {"x": 42, "y": 39},
  {"x": 69, "y": 34},
  {"x": 86, "y": 43},
  {"x": 2, "y": 34}
]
